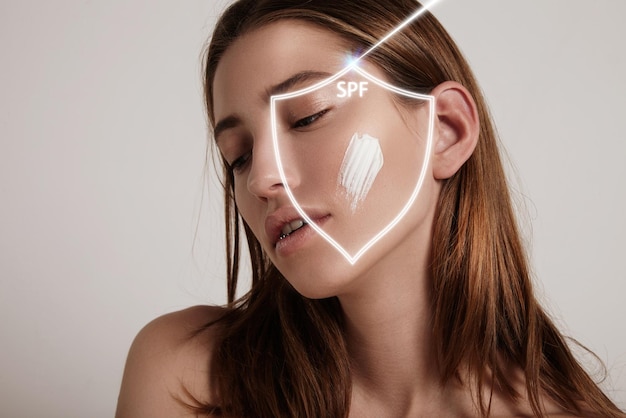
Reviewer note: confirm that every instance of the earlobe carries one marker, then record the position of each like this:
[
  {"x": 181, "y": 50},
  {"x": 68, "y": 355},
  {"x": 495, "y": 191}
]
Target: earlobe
[{"x": 456, "y": 128}]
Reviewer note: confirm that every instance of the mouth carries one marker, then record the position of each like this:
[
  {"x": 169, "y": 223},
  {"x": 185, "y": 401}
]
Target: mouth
[
  {"x": 290, "y": 228},
  {"x": 294, "y": 235},
  {"x": 284, "y": 225}
]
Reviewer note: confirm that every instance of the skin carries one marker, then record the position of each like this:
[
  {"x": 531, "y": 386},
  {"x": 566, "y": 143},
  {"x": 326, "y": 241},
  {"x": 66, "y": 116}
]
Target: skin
[
  {"x": 258, "y": 189},
  {"x": 385, "y": 295}
]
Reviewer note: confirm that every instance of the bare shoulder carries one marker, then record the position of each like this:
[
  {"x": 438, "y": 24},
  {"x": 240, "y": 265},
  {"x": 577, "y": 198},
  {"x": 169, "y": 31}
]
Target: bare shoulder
[
  {"x": 167, "y": 362},
  {"x": 561, "y": 416},
  {"x": 502, "y": 406}
]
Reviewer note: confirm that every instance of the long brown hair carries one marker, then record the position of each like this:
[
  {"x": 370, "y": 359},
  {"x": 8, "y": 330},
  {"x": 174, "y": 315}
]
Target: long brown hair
[{"x": 282, "y": 355}]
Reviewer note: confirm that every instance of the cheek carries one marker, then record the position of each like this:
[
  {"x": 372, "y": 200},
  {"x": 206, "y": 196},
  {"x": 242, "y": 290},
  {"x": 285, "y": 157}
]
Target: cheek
[
  {"x": 405, "y": 150},
  {"x": 239, "y": 192},
  {"x": 318, "y": 162},
  {"x": 404, "y": 163},
  {"x": 360, "y": 166},
  {"x": 245, "y": 203},
  {"x": 403, "y": 153}
]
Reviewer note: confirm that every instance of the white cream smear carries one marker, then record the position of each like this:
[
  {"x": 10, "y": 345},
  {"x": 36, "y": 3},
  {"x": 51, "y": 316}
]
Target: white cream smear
[{"x": 360, "y": 166}]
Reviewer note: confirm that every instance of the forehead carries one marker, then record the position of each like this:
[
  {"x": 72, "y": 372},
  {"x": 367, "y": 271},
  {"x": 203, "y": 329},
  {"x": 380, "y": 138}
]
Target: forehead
[{"x": 270, "y": 54}]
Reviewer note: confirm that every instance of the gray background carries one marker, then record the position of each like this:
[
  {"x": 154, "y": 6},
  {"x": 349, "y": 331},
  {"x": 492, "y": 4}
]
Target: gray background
[{"x": 106, "y": 221}]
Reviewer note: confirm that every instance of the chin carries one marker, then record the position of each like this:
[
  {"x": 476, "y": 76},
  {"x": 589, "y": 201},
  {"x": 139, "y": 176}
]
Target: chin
[{"x": 323, "y": 280}]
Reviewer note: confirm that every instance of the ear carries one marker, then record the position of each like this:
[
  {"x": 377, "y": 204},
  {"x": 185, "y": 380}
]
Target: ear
[{"x": 456, "y": 128}]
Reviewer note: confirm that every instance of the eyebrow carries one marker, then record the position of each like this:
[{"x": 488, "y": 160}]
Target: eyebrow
[
  {"x": 294, "y": 80},
  {"x": 233, "y": 121}
]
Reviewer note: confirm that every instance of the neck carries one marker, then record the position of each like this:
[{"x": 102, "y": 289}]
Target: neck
[{"x": 389, "y": 334}]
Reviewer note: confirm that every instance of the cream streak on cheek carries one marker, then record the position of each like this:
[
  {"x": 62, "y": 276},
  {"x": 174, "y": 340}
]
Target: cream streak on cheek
[{"x": 360, "y": 166}]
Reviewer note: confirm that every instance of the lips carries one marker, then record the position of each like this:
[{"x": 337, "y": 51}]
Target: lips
[
  {"x": 291, "y": 227},
  {"x": 283, "y": 221}
]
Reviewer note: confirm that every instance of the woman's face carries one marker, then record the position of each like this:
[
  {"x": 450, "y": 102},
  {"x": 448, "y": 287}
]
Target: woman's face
[{"x": 351, "y": 156}]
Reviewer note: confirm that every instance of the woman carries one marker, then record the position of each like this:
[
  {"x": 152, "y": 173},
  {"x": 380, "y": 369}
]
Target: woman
[{"x": 437, "y": 318}]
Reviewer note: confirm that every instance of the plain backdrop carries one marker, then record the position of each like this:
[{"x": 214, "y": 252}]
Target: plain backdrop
[{"x": 106, "y": 220}]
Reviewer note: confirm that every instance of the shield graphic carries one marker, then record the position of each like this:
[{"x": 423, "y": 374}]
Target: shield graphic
[{"x": 339, "y": 142}]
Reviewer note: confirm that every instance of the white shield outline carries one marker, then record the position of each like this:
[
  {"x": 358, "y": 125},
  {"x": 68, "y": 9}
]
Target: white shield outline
[{"x": 352, "y": 259}]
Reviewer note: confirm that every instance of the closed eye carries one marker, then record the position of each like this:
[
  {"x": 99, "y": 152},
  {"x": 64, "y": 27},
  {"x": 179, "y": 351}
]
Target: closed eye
[
  {"x": 240, "y": 163},
  {"x": 304, "y": 122}
]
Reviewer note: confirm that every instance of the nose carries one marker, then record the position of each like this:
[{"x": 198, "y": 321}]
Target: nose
[{"x": 264, "y": 180}]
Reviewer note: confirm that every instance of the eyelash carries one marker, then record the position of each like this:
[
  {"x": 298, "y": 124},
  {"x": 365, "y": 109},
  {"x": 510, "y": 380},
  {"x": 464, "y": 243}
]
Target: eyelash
[
  {"x": 304, "y": 122},
  {"x": 240, "y": 163}
]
